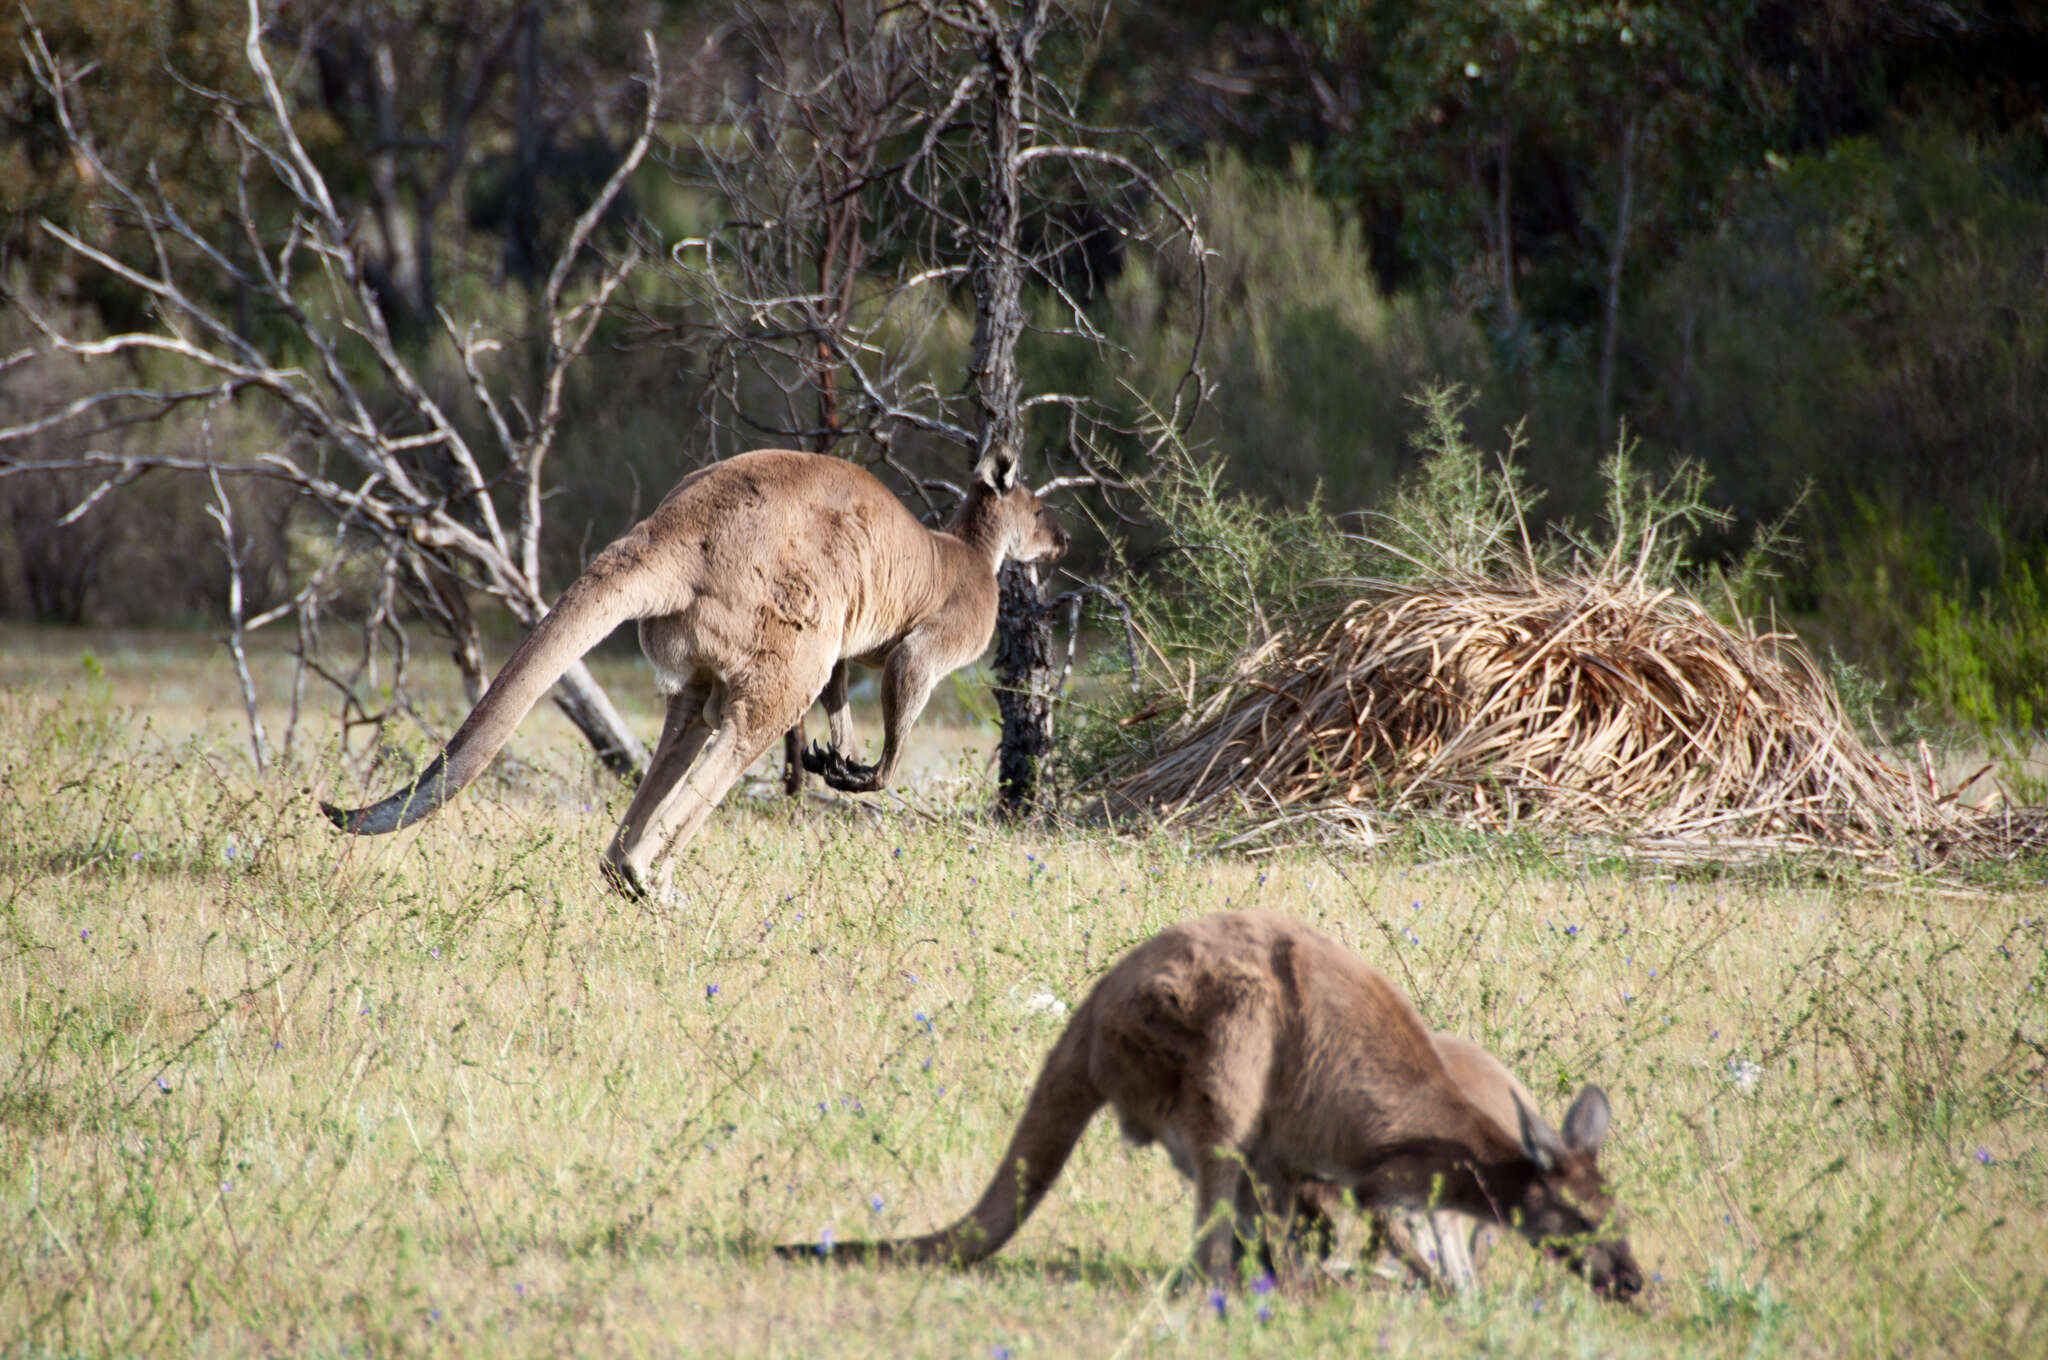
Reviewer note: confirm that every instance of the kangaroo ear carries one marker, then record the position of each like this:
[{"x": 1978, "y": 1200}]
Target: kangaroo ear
[
  {"x": 996, "y": 473},
  {"x": 1539, "y": 1140},
  {"x": 1585, "y": 1123}
]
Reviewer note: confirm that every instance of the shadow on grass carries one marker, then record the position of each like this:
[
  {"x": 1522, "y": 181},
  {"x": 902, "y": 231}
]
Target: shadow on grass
[{"x": 1070, "y": 1269}]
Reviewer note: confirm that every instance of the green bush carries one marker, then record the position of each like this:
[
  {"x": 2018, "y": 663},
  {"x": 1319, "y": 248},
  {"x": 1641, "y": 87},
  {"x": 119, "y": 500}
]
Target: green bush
[
  {"x": 1311, "y": 363},
  {"x": 1870, "y": 324},
  {"x": 1235, "y": 578},
  {"x": 1968, "y": 648}
]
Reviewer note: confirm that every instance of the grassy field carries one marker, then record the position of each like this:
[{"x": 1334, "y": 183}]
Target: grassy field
[{"x": 266, "y": 1089}]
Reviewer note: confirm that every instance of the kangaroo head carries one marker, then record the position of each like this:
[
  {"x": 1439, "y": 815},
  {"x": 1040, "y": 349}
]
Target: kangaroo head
[
  {"x": 1028, "y": 531},
  {"x": 1567, "y": 1203}
]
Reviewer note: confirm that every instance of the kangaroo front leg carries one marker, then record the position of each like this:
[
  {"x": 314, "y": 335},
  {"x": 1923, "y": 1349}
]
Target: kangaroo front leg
[
  {"x": 793, "y": 760},
  {"x": 817, "y": 759},
  {"x": 907, "y": 680},
  {"x": 831, "y": 760},
  {"x": 1219, "y": 1181},
  {"x": 1265, "y": 1212}
]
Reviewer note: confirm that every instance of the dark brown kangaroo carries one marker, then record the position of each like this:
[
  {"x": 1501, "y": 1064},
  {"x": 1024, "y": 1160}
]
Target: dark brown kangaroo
[
  {"x": 1439, "y": 1246},
  {"x": 1262, "y": 1054},
  {"x": 752, "y": 582}
]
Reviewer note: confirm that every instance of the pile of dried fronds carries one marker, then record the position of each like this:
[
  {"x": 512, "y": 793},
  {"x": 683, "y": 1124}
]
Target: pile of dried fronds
[{"x": 1589, "y": 702}]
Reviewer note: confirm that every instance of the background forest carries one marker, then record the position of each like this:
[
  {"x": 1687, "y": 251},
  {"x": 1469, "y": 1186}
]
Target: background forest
[{"x": 1801, "y": 244}]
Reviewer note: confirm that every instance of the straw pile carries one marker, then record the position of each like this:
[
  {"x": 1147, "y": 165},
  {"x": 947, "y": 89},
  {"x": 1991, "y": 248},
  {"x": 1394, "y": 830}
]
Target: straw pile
[{"x": 1588, "y": 703}]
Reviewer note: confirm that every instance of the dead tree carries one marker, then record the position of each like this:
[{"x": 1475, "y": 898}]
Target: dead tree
[
  {"x": 360, "y": 437},
  {"x": 872, "y": 157}
]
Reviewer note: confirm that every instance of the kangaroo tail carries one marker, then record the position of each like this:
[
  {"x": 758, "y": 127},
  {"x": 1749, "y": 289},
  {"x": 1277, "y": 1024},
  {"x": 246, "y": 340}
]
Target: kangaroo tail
[
  {"x": 1062, "y": 1102},
  {"x": 596, "y": 602}
]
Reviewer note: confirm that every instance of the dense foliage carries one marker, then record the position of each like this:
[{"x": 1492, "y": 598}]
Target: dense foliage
[{"x": 1795, "y": 240}]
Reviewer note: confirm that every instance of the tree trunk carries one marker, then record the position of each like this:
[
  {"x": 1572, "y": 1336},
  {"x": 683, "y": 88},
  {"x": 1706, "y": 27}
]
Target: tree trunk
[
  {"x": 1023, "y": 623},
  {"x": 522, "y": 226},
  {"x": 1617, "y": 255},
  {"x": 1023, "y": 685},
  {"x": 1504, "y": 228},
  {"x": 394, "y": 218}
]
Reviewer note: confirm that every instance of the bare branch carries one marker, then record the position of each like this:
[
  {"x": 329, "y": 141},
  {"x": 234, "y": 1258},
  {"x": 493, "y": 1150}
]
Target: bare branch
[
  {"x": 419, "y": 495},
  {"x": 223, "y": 516}
]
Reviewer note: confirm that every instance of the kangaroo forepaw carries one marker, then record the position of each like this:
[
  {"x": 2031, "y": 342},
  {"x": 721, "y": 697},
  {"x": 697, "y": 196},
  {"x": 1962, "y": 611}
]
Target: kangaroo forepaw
[{"x": 831, "y": 765}]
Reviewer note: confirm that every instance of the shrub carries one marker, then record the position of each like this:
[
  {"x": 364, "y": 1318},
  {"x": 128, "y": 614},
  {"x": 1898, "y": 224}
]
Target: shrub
[
  {"x": 1311, "y": 363},
  {"x": 1236, "y": 579}
]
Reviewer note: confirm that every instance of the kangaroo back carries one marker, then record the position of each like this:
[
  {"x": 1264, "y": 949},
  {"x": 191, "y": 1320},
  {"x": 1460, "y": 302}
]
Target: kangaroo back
[
  {"x": 1063, "y": 1100},
  {"x": 613, "y": 589}
]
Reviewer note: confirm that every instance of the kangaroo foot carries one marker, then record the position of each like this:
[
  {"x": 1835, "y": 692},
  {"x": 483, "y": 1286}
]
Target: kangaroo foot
[
  {"x": 623, "y": 877},
  {"x": 829, "y": 764}
]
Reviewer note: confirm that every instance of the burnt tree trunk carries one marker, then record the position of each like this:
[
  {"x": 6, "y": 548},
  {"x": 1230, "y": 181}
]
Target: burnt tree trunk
[
  {"x": 1023, "y": 622},
  {"x": 1023, "y": 685}
]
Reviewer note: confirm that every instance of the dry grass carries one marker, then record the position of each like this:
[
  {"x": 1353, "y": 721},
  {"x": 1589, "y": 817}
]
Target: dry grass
[
  {"x": 265, "y": 1090},
  {"x": 1593, "y": 702}
]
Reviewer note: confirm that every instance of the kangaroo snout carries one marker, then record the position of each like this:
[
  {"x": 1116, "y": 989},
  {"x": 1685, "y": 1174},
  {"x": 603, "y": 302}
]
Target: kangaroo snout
[
  {"x": 1611, "y": 1269},
  {"x": 1055, "y": 539}
]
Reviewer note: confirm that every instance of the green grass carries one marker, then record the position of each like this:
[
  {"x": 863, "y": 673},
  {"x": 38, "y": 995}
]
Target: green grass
[{"x": 265, "y": 1088}]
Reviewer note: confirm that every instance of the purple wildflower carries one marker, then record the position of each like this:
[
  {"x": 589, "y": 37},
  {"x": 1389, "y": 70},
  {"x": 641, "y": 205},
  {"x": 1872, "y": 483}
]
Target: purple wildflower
[
  {"x": 825, "y": 1239},
  {"x": 710, "y": 990},
  {"x": 1219, "y": 1302}
]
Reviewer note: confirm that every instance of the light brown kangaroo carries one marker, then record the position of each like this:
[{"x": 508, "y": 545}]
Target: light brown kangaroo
[
  {"x": 752, "y": 581},
  {"x": 1440, "y": 1246},
  {"x": 1263, "y": 1054}
]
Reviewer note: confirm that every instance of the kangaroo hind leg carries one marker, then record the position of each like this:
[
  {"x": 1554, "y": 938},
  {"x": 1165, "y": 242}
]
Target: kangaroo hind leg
[
  {"x": 684, "y": 731},
  {"x": 753, "y": 714}
]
